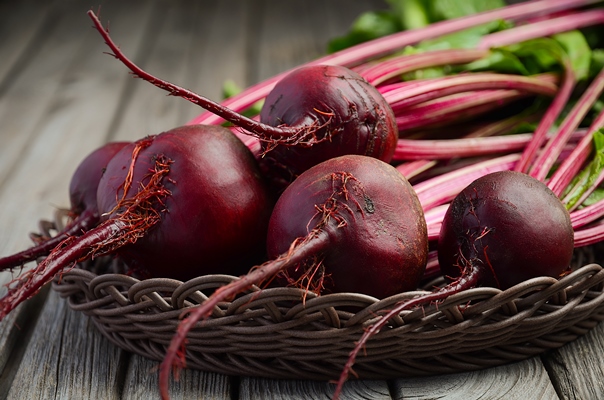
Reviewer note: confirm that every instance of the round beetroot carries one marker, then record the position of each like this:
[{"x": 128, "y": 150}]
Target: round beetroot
[
  {"x": 503, "y": 228},
  {"x": 508, "y": 226},
  {"x": 341, "y": 113},
  {"x": 215, "y": 214},
  {"x": 375, "y": 233},
  {"x": 351, "y": 223}
]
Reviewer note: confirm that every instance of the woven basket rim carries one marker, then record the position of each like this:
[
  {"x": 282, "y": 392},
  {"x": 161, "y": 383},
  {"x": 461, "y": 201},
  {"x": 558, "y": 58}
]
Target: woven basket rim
[{"x": 285, "y": 332}]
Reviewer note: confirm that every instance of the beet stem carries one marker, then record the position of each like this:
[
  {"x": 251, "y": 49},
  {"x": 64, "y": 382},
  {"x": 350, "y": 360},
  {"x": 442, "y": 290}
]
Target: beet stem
[
  {"x": 431, "y": 89},
  {"x": 314, "y": 243},
  {"x": 554, "y": 146},
  {"x": 548, "y": 119},
  {"x": 411, "y": 62},
  {"x": 255, "y": 127},
  {"x": 564, "y": 174},
  {"x": 69, "y": 252},
  {"x": 82, "y": 223},
  {"x": 543, "y": 28},
  {"x": 363, "y": 52}
]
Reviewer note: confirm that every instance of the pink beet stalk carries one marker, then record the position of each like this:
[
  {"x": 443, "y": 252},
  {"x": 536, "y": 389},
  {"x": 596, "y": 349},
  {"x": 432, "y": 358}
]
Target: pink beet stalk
[
  {"x": 548, "y": 119},
  {"x": 443, "y": 188},
  {"x": 586, "y": 215},
  {"x": 451, "y": 108},
  {"x": 553, "y": 148},
  {"x": 396, "y": 66},
  {"x": 409, "y": 149},
  {"x": 385, "y": 45},
  {"x": 591, "y": 235},
  {"x": 543, "y": 28},
  {"x": 431, "y": 89},
  {"x": 564, "y": 174}
]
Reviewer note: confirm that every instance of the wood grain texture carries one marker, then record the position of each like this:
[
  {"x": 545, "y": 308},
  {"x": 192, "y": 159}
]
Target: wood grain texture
[
  {"x": 519, "y": 381},
  {"x": 270, "y": 389},
  {"x": 58, "y": 110},
  {"x": 141, "y": 382},
  {"x": 67, "y": 358},
  {"x": 577, "y": 368}
]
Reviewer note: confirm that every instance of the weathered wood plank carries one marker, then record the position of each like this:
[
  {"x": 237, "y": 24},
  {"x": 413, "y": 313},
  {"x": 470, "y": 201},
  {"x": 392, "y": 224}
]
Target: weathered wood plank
[
  {"x": 142, "y": 383},
  {"x": 58, "y": 109},
  {"x": 519, "y": 381},
  {"x": 21, "y": 23},
  {"x": 186, "y": 48},
  {"x": 270, "y": 389},
  {"x": 15, "y": 333},
  {"x": 577, "y": 368},
  {"x": 293, "y": 32},
  {"x": 67, "y": 358}
]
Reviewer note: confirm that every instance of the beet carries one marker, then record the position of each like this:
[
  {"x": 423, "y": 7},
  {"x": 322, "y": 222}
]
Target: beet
[
  {"x": 508, "y": 227},
  {"x": 352, "y": 117},
  {"x": 371, "y": 223},
  {"x": 502, "y": 229},
  {"x": 351, "y": 223},
  {"x": 187, "y": 202},
  {"x": 314, "y": 113},
  {"x": 83, "y": 211}
]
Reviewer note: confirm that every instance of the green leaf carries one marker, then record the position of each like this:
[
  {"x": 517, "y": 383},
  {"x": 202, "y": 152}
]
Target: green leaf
[
  {"x": 595, "y": 196},
  {"x": 368, "y": 26},
  {"x": 410, "y": 14},
  {"x": 467, "y": 38},
  {"x": 449, "y": 9},
  {"x": 539, "y": 55},
  {"x": 578, "y": 50},
  {"x": 413, "y": 14},
  {"x": 597, "y": 62},
  {"x": 499, "y": 60},
  {"x": 230, "y": 89}
]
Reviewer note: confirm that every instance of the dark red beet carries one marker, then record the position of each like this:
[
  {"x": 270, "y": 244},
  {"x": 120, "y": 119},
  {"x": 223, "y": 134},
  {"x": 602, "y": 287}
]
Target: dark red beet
[
  {"x": 351, "y": 223},
  {"x": 187, "y": 202},
  {"x": 504, "y": 228},
  {"x": 375, "y": 240},
  {"x": 83, "y": 211},
  {"x": 217, "y": 210},
  {"x": 315, "y": 113},
  {"x": 353, "y": 116},
  {"x": 510, "y": 227}
]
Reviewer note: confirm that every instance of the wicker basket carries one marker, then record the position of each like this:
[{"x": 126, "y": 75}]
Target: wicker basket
[{"x": 280, "y": 333}]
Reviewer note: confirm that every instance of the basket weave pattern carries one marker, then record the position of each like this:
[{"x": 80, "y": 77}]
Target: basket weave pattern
[{"x": 287, "y": 333}]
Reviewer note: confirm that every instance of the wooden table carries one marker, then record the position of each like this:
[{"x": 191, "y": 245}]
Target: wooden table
[{"x": 61, "y": 97}]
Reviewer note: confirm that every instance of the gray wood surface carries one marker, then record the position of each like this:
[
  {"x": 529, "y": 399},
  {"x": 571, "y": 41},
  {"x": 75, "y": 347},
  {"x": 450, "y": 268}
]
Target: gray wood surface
[{"x": 61, "y": 96}]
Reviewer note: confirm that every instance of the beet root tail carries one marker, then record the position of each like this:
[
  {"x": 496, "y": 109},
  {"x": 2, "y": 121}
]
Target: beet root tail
[
  {"x": 465, "y": 282},
  {"x": 81, "y": 224},
  {"x": 66, "y": 254}
]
